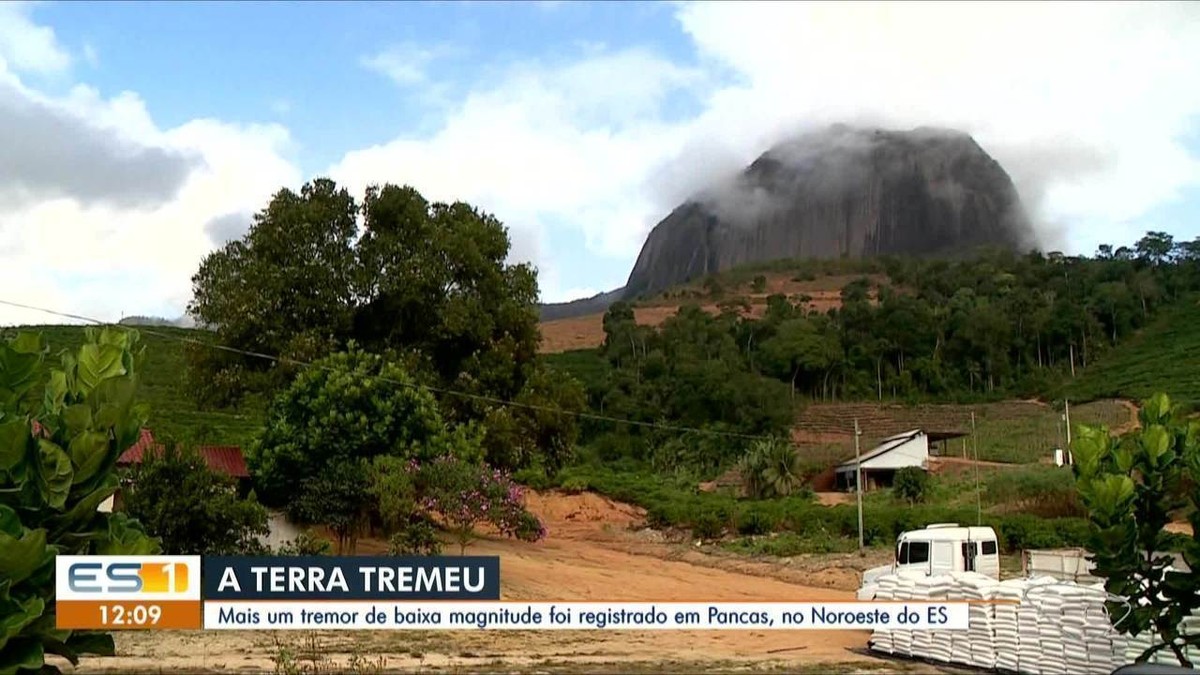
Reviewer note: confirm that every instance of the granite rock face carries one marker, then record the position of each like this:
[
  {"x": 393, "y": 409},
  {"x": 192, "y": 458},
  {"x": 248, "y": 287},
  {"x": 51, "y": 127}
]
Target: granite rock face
[{"x": 840, "y": 192}]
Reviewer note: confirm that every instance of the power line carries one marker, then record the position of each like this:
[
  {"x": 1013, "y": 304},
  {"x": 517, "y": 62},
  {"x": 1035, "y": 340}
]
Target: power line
[{"x": 412, "y": 385}]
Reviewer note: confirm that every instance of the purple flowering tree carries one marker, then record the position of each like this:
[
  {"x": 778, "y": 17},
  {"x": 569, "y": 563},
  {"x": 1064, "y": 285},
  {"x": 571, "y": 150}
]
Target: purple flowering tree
[{"x": 466, "y": 495}]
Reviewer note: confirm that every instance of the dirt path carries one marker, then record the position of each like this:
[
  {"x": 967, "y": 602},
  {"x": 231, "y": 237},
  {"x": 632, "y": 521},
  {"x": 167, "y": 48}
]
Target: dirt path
[
  {"x": 589, "y": 554},
  {"x": 1132, "y": 424}
]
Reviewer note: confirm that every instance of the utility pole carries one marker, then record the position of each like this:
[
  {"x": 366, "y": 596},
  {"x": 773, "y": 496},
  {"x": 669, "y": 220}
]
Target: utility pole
[
  {"x": 1067, "y": 421},
  {"x": 858, "y": 487},
  {"x": 978, "y": 494}
]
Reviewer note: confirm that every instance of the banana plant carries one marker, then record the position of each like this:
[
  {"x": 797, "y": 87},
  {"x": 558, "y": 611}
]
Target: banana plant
[
  {"x": 1131, "y": 486},
  {"x": 61, "y": 432}
]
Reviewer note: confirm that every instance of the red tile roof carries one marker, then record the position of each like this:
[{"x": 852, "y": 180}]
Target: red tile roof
[{"x": 226, "y": 459}]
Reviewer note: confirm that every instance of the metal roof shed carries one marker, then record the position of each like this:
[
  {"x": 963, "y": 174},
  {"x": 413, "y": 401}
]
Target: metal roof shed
[{"x": 879, "y": 466}]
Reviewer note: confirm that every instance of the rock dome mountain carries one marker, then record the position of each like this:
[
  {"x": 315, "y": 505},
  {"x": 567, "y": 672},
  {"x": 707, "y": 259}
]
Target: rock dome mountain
[{"x": 839, "y": 192}]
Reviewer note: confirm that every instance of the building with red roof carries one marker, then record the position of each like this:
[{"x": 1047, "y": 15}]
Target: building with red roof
[{"x": 224, "y": 459}]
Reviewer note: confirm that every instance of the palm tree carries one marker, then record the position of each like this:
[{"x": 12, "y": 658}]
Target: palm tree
[{"x": 771, "y": 469}]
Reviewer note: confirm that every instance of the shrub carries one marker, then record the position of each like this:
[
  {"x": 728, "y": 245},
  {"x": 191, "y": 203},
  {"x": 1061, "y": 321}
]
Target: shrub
[
  {"x": 755, "y": 521},
  {"x": 466, "y": 494},
  {"x": 418, "y": 537},
  {"x": 772, "y": 469},
  {"x": 305, "y": 543},
  {"x": 54, "y": 476},
  {"x": 1019, "y": 532},
  {"x": 191, "y": 508},
  {"x": 535, "y": 478},
  {"x": 759, "y": 284},
  {"x": 911, "y": 484},
  {"x": 575, "y": 485},
  {"x": 788, "y": 544},
  {"x": 708, "y": 526}
]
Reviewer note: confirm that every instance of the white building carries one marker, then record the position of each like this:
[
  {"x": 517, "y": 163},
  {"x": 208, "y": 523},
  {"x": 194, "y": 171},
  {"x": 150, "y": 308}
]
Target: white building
[{"x": 879, "y": 466}]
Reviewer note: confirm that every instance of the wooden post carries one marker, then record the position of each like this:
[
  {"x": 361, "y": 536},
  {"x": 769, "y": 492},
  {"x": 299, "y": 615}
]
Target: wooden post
[{"x": 858, "y": 485}]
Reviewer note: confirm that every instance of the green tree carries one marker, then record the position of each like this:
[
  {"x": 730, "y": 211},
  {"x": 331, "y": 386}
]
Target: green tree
[
  {"x": 52, "y": 481},
  {"x": 192, "y": 509},
  {"x": 394, "y": 491},
  {"x": 289, "y": 281},
  {"x": 349, "y": 406},
  {"x": 339, "y": 497},
  {"x": 771, "y": 468},
  {"x": 425, "y": 282},
  {"x": 1130, "y": 486},
  {"x": 798, "y": 348},
  {"x": 911, "y": 484}
]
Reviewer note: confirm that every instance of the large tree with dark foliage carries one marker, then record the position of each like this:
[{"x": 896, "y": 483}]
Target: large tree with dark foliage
[{"x": 427, "y": 283}]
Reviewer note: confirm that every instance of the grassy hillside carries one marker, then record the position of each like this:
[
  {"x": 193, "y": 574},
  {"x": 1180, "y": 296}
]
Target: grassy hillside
[
  {"x": 1164, "y": 356},
  {"x": 172, "y": 411}
]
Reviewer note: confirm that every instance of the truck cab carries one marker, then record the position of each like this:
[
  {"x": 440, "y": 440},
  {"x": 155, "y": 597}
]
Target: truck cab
[
  {"x": 940, "y": 548},
  {"x": 947, "y": 547}
]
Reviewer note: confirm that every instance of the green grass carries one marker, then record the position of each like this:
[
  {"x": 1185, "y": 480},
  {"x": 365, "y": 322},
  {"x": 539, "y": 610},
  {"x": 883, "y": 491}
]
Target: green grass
[
  {"x": 1031, "y": 438},
  {"x": 805, "y": 526},
  {"x": 1163, "y": 357},
  {"x": 585, "y": 365},
  {"x": 173, "y": 412}
]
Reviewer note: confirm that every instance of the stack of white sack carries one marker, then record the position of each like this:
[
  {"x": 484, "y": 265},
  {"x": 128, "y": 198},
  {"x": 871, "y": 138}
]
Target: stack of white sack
[
  {"x": 1039, "y": 626},
  {"x": 978, "y": 641},
  {"x": 1008, "y": 595},
  {"x": 902, "y": 639},
  {"x": 882, "y": 639},
  {"x": 1191, "y": 627},
  {"x": 1030, "y": 655},
  {"x": 922, "y": 640},
  {"x": 1049, "y": 603},
  {"x": 941, "y": 589}
]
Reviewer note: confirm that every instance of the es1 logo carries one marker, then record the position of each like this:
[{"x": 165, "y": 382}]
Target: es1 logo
[{"x": 127, "y": 577}]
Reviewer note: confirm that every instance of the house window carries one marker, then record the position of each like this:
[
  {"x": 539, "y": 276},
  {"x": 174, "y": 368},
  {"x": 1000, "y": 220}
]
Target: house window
[{"x": 989, "y": 548}]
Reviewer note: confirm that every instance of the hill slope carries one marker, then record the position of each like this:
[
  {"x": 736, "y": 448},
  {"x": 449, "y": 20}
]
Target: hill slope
[
  {"x": 172, "y": 410},
  {"x": 1165, "y": 356}
]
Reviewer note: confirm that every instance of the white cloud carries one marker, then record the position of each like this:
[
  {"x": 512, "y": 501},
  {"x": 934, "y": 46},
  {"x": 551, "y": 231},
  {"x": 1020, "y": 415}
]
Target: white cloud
[
  {"x": 407, "y": 64},
  {"x": 26, "y": 46},
  {"x": 95, "y": 234},
  {"x": 548, "y": 144},
  {"x": 1088, "y": 121}
]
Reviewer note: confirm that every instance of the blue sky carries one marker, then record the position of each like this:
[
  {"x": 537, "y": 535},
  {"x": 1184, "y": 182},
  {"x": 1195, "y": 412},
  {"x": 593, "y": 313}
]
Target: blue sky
[
  {"x": 301, "y": 64},
  {"x": 154, "y": 130}
]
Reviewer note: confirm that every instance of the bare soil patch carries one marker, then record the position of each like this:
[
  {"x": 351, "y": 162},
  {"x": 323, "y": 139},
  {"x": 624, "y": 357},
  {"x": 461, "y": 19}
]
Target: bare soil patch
[{"x": 585, "y": 332}]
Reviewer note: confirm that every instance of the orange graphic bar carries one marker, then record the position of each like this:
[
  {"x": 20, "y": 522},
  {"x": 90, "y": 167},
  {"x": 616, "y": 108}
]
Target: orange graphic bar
[
  {"x": 129, "y": 615},
  {"x": 164, "y": 578}
]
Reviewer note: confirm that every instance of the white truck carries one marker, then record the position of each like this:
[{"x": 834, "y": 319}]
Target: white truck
[{"x": 939, "y": 548}]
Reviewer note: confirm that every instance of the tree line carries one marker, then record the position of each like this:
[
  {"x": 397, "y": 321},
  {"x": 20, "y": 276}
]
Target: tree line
[{"x": 996, "y": 326}]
